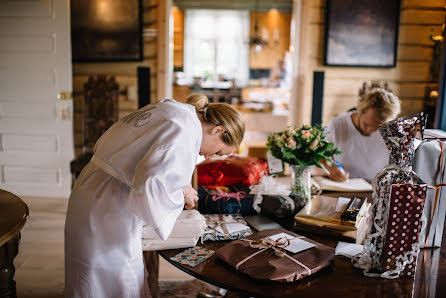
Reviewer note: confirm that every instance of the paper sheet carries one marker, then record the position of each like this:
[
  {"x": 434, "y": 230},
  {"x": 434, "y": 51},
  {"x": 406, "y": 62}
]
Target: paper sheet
[
  {"x": 348, "y": 249},
  {"x": 232, "y": 228},
  {"x": 296, "y": 245},
  {"x": 353, "y": 184}
]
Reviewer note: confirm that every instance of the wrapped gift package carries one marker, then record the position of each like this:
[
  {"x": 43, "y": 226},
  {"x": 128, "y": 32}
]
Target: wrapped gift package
[
  {"x": 267, "y": 255},
  {"x": 324, "y": 216},
  {"x": 225, "y": 227},
  {"x": 281, "y": 206},
  {"x": 186, "y": 232},
  {"x": 231, "y": 170},
  {"x": 225, "y": 200},
  {"x": 429, "y": 164},
  {"x": 391, "y": 246},
  {"x": 275, "y": 199}
]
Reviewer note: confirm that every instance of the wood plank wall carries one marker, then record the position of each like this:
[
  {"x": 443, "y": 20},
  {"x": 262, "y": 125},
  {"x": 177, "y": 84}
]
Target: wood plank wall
[
  {"x": 409, "y": 79},
  {"x": 124, "y": 72},
  {"x": 178, "y": 37},
  {"x": 275, "y": 50}
]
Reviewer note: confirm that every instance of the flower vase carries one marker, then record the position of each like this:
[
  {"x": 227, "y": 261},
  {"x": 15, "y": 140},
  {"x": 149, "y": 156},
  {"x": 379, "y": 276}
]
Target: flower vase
[{"x": 300, "y": 181}]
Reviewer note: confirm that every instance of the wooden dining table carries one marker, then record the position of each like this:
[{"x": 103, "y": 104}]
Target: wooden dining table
[
  {"x": 13, "y": 215},
  {"x": 340, "y": 280}
]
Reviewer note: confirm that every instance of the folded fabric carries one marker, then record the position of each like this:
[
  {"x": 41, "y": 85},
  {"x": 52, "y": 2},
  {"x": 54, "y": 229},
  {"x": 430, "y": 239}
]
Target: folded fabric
[
  {"x": 225, "y": 200},
  {"x": 225, "y": 227},
  {"x": 170, "y": 243},
  {"x": 263, "y": 257},
  {"x": 190, "y": 223}
]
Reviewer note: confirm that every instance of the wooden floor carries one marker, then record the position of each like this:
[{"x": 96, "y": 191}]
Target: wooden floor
[{"x": 40, "y": 262}]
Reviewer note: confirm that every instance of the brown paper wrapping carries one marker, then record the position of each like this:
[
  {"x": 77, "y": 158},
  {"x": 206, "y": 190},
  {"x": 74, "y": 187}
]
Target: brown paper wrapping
[{"x": 267, "y": 265}]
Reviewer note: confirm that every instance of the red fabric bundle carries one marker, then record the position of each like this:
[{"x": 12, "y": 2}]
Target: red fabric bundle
[{"x": 232, "y": 170}]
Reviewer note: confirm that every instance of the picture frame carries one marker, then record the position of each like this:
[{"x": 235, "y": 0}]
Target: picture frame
[
  {"x": 106, "y": 30},
  {"x": 361, "y": 33}
]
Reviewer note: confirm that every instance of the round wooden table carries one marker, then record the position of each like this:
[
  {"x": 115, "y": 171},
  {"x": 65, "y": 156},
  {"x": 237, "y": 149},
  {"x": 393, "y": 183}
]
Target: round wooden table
[
  {"x": 13, "y": 215},
  {"x": 341, "y": 281}
]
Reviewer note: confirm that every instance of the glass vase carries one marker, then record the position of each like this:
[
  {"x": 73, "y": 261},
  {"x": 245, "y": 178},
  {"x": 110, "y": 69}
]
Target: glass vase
[{"x": 300, "y": 181}]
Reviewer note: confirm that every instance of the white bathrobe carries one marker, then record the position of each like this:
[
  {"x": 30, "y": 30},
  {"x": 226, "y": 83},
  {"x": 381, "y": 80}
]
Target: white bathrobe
[{"x": 136, "y": 176}]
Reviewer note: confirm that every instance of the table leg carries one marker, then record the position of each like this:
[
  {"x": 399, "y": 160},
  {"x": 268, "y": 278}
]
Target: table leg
[
  {"x": 151, "y": 259},
  {"x": 7, "y": 254}
]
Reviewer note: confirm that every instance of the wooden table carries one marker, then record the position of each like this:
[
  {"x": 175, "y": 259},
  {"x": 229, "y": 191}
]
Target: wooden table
[
  {"x": 13, "y": 215},
  {"x": 343, "y": 281}
]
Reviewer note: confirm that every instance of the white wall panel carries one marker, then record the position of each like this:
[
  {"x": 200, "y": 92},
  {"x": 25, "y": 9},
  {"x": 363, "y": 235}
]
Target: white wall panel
[
  {"x": 17, "y": 110},
  {"x": 26, "y": 8},
  {"x": 43, "y": 143},
  {"x": 27, "y": 78},
  {"x": 27, "y": 175},
  {"x": 32, "y": 43}
]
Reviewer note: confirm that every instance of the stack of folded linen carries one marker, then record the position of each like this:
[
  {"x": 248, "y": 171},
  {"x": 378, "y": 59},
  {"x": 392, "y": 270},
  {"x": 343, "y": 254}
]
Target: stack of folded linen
[{"x": 185, "y": 233}]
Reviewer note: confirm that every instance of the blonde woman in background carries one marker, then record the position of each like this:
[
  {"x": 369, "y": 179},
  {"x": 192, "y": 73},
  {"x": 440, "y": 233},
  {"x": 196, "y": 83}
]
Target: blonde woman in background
[
  {"x": 140, "y": 174},
  {"x": 355, "y": 133}
]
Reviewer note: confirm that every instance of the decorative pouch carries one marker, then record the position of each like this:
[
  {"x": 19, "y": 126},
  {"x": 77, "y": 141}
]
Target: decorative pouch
[{"x": 391, "y": 246}]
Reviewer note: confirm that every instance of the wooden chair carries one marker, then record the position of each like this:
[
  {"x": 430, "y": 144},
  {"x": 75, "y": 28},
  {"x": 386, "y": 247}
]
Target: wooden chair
[{"x": 101, "y": 95}]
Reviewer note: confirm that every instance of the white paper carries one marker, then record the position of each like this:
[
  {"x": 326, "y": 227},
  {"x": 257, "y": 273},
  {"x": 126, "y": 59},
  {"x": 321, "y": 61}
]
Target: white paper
[
  {"x": 275, "y": 165},
  {"x": 352, "y": 184},
  {"x": 341, "y": 204},
  {"x": 232, "y": 228},
  {"x": 296, "y": 245},
  {"x": 348, "y": 249}
]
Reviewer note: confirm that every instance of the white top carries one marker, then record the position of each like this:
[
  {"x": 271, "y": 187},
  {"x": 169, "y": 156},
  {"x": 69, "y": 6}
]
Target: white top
[
  {"x": 136, "y": 176},
  {"x": 362, "y": 156}
]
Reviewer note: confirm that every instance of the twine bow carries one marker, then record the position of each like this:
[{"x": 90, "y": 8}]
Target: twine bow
[
  {"x": 221, "y": 222},
  {"x": 276, "y": 245}
]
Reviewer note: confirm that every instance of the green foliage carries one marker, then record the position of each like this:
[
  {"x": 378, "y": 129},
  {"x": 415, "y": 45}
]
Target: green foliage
[{"x": 303, "y": 146}]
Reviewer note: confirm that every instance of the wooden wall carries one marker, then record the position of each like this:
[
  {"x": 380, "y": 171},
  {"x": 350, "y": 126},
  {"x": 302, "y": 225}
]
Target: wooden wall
[
  {"x": 409, "y": 79},
  {"x": 124, "y": 72},
  {"x": 275, "y": 50},
  {"x": 178, "y": 37}
]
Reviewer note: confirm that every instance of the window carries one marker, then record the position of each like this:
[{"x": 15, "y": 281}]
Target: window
[{"x": 216, "y": 43}]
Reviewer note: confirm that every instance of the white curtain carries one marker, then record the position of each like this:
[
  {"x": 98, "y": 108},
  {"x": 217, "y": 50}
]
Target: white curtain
[{"x": 216, "y": 43}]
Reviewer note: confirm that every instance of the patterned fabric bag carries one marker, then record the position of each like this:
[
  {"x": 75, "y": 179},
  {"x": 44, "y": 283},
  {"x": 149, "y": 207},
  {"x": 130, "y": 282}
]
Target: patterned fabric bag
[{"x": 391, "y": 247}]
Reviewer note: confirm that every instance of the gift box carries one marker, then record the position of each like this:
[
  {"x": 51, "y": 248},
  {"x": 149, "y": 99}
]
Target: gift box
[
  {"x": 265, "y": 257},
  {"x": 225, "y": 200},
  {"x": 324, "y": 216},
  {"x": 391, "y": 246},
  {"x": 281, "y": 206},
  {"x": 275, "y": 200},
  {"x": 429, "y": 162},
  {"x": 231, "y": 170},
  {"x": 225, "y": 227}
]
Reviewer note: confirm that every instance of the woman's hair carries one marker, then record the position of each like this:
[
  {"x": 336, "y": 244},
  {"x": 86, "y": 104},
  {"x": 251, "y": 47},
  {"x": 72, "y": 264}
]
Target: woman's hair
[
  {"x": 220, "y": 114},
  {"x": 380, "y": 98}
]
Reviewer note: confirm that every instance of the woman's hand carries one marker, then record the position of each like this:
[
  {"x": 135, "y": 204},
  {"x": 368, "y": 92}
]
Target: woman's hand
[
  {"x": 335, "y": 172},
  {"x": 190, "y": 197}
]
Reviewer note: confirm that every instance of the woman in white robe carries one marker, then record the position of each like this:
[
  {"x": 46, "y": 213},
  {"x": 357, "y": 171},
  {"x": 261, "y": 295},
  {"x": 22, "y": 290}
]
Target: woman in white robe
[{"x": 140, "y": 173}]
